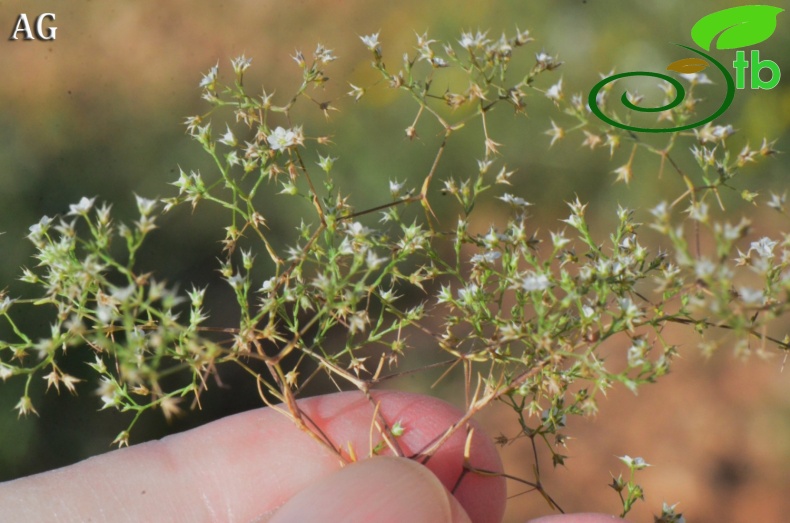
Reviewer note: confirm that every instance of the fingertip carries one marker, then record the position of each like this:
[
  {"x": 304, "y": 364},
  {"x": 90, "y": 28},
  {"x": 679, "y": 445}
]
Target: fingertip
[
  {"x": 347, "y": 418},
  {"x": 377, "y": 489},
  {"x": 425, "y": 419}
]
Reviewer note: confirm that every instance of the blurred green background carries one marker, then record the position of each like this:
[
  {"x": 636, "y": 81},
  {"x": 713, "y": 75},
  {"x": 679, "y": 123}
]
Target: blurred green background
[{"x": 99, "y": 112}]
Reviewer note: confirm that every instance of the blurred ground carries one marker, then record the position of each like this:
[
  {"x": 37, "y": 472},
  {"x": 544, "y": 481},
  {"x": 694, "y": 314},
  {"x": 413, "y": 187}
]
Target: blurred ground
[
  {"x": 99, "y": 112},
  {"x": 716, "y": 432}
]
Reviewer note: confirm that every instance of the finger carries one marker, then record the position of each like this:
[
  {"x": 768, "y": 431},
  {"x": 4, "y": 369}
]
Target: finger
[
  {"x": 249, "y": 464},
  {"x": 382, "y": 489}
]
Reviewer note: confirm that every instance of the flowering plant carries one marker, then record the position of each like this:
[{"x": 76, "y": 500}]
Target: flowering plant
[{"x": 521, "y": 316}]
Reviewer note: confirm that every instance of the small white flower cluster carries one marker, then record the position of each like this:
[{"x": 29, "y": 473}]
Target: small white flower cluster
[
  {"x": 710, "y": 133},
  {"x": 472, "y": 42}
]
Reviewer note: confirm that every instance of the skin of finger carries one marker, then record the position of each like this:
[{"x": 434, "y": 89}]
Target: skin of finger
[
  {"x": 425, "y": 419},
  {"x": 578, "y": 518},
  {"x": 245, "y": 465},
  {"x": 381, "y": 489}
]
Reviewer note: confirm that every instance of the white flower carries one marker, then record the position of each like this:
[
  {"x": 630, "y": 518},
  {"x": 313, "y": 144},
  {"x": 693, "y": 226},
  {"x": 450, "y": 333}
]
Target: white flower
[
  {"x": 733, "y": 232},
  {"x": 83, "y": 207},
  {"x": 559, "y": 240},
  {"x": 492, "y": 239},
  {"x": 468, "y": 293},
  {"x": 322, "y": 282},
  {"x": 357, "y": 322},
  {"x": 514, "y": 200},
  {"x": 5, "y": 304},
  {"x": 483, "y": 165},
  {"x": 37, "y": 230},
  {"x": 469, "y": 41},
  {"x": 604, "y": 267},
  {"x": 777, "y": 202},
  {"x": 504, "y": 175},
  {"x": 6, "y": 372},
  {"x": 268, "y": 285},
  {"x": 466, "y": 41},
  {"x": 722, "y": 132},
  {"x": 210, "y": 78},
  {"x": 372, "y": 261},
  {"x": 105, "y": 314},
  {"x": 228, "y": 138},
  {"x": 25, "y": 406},
  {"x": 233, "y": 158},
  {"x": 144, "y": 205},
  {"x": 698, "y": 211},
  {"x": 555, "y": 92},
  {"x": 445, "y": 294},
  {"x": 371, "y": 41},
  {"x": 556, "y": 132},
  {"x": 711, "y": 134},
  {"x": 764, "y": 247},
  {"x": 388, "y": 296},
  {"x": 752, "y": 296},
  {"x": 636, "y": 353},
  {"x": 109, "y": 392},
  {"x": 634, "y": 463},
  {"x": 236, "y": 281},
  {"x": 630, "y": 311},
  {"x": 298, "y": 57},
  {"x": 395, "y": 188},
  {"x": 357, "y": 230},
  {"x": 326, "y": 162},
  {"x": 123, "y": 293},
  {"x": 503, "y": 46},
  {"x": 535, "y": 282},
  {"x": 324, "y": 55},
  {"x": 511, "y": 331},
  {"x": 345, "y": 248},
  {"x": 41, "y": 227},
  {"x": 489, "y": 257},
  {"x": 356, "y": 91},
  {"x": 282, "y": 139},
  {"x": 587, "y": 312},
  {"x": 704, "y": 268},
  {"x": 240, "y": 64},
  {"x": 546, "y": 61},
  {"x": 103, "y": 213}
]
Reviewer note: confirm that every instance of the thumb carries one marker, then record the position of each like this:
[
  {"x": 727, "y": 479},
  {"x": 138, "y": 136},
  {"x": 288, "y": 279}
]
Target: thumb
[{"x": 377, "y": 489}]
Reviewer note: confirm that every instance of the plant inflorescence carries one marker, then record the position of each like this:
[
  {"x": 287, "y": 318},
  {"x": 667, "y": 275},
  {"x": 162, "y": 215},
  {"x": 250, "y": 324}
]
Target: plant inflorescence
[{"x": 520, "y": 315}]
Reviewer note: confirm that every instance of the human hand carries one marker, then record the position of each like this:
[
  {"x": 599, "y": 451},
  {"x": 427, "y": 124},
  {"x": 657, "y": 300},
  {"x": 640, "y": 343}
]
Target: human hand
[{"x": 257, "y": 466}]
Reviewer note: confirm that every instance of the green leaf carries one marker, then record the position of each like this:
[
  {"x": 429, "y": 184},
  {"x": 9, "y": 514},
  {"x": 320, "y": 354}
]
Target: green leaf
[{"x": 738, "y": 26}]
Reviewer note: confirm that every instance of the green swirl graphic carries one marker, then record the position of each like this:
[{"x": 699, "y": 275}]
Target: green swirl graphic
[{"x": 680, "y": 94}]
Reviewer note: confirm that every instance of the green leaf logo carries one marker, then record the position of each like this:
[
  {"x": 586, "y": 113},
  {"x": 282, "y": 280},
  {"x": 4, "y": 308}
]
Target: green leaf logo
[{"x": 738, "y": 26}]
